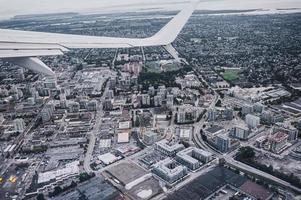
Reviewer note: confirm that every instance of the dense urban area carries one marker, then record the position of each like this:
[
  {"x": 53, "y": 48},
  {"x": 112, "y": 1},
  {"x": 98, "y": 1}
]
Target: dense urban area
[{"x": 118, "y": 124}]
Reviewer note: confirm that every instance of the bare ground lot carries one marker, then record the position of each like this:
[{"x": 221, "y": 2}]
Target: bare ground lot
[{"x": 287, "y": 164}]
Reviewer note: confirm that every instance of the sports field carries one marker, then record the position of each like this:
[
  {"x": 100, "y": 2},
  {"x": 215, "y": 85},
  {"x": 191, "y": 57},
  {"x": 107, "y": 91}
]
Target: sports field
[{"x": 231, "y": 74}]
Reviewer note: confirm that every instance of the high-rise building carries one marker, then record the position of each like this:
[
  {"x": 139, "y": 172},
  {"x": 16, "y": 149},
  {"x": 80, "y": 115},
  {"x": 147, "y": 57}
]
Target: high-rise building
[
  {"x": 240, "y": 132},
  {"x": 92, "y": 105},
  {"x": 63, "y": 99},
  {"x": 1, "y": 118},
  {"x": 73, "y": 107},
  {"x": 212, "y": 114},
  {"x": 83, "y": 102},
  {"x": 252, "y": 120},
  {"x": 228, "y": 113},
  {"x": 278, "y": 141},
  {"x": 107, "y": 104},
  {"x": 133, "y": 67},
  {"x": 157, "y": 100},
  {"x": 50, "y": 83},
  {"x": 187, "y": 113},
  {"x": 258, "y": 107},
  {"x": 162, "y": 91},
  {"x": 110, "y": 94},
  {"x": 112, "y": 82},
  {"x": 169, "y": 100},
  {"x": 151, "y": 90},
  {"x": 145, "y": 100},
  {"x": 150, "y": 137},
  {"x": 290, "y": 130},
  {"x": 223, "y": 143},
  {"x": 34, "y": 93},
  {"x": 47, "y": 112},
  {"x": 267, "y": 117},
  {"x": 21, "y": 75},
  {"x": 181, "y": 117},
  {"x": 247, "y": 109},
  {"x": 19, "y": 125}
]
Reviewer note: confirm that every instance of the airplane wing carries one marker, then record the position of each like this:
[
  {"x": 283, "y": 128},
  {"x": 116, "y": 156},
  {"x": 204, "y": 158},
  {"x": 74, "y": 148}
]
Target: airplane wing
[{"x": 23, "y": 47}]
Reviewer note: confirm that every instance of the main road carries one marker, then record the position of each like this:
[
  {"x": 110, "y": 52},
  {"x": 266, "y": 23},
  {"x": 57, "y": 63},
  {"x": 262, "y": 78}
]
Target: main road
[{"x": 93, "y": 133}]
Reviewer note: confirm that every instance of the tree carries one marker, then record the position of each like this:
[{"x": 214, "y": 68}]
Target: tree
[
  {"x": 40, "y": 197},
  {"x": 186, "y": 144},
  {"x": 57, "y": 190},
  {"x": 218, "y": 103},
  {"x": 246, "y": 153}
]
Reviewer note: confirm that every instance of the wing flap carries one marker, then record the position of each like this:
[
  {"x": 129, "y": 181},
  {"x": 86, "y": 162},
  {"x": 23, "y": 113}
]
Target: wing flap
[
  {"x": 17, "y": 53},
  {"x": 29, "y": 46}
]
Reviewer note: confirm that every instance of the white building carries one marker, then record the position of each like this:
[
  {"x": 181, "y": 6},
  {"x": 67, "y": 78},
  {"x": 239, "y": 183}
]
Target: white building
[
  {"x": 19, "y": 125},
  {"x": 145, "y": 99},
  {"x": 92, "y": 105},
  {"x": 123, "y": 137},
  {"x": 193, "y": 157},
  {"x": 252, "y": 120},
  {"x": 241, "y": 132},
  {"x": 169, "y": 100},
  {"x": 110, "y": 94},
  {"x": 47, "y": 112},
  {"x": 50, "y": 83},
  {"x": 157, "y": 100},
  {"x": 247, "y": 109},
  {"x": 169, "y": 149},
  {"x": 169, "y": 171},
  {"x": 150, "y": 137},
  {"x": 63, "y": 99},
  {"x": 1, "y": 119},
  {"x": 125, "y": 125},
  {"x": 73, "y": 106},
  {"x": 70, "y": 169}
]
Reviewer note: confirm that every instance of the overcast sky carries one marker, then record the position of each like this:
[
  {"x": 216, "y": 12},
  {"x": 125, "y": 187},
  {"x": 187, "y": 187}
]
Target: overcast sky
[{"x": 9, "y": 8}]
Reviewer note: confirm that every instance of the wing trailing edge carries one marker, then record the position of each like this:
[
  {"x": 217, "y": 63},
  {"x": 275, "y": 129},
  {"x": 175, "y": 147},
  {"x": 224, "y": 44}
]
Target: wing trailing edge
[{"x": 22, "y": 45}]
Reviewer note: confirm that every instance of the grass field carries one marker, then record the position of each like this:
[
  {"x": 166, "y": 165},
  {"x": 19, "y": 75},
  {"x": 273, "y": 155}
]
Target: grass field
[{"x": 231, "y": 74}]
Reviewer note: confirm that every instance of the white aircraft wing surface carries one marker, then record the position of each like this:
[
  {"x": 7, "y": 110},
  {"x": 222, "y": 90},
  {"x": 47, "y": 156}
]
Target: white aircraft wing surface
[{"x": 29, "y": 44}]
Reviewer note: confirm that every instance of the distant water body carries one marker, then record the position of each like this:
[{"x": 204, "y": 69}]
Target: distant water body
[{"x": 10, "y": 8}]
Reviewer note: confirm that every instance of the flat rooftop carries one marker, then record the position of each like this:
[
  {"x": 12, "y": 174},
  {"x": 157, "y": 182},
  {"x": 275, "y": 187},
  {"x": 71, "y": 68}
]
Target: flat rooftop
[
  {"x": 214, "y": 129},
  {"x": 205, "y": 185},
  {"x": 93, "y": 189},
  {"x": 126, "y": 172}
]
